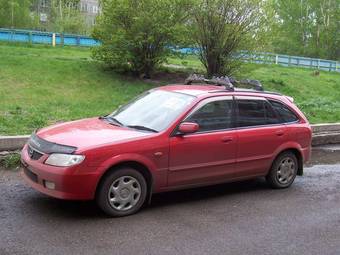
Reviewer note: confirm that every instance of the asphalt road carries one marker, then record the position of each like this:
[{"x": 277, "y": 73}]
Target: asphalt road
[{"x": 239, "y": 218}]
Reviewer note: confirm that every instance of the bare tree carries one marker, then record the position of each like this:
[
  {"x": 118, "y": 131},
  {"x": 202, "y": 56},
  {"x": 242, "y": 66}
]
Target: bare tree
[{"x": 221, "y": 27}]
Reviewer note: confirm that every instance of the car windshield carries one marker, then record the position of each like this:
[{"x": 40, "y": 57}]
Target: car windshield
[{"x": 152, "y": 111}]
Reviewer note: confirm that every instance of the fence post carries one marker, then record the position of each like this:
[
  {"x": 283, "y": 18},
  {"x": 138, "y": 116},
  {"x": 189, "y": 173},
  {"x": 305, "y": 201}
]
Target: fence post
[
  {"x": 78, "y": 40},
  {"x": 30, "y": 37},
  {"x": 318, "y": 63},
  {"x": 298, "y": 62},
  {"x": 53, "y": 39},
  {"x": 289, "y": 60},
  {"x": 61, "y": 39},
  {"x": 276, "y": 59}
]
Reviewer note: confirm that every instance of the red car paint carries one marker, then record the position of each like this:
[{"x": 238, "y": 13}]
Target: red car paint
[{"x": 174, "y": 162}]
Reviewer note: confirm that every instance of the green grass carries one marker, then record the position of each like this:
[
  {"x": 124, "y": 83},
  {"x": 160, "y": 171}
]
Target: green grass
[
  {"x": 10, "y": 161},
  {"x": 41, "y": 85}
]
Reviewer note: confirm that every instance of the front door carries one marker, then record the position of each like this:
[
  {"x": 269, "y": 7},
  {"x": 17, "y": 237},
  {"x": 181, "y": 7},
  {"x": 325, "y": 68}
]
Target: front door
[{"x": 209, "y": 155}]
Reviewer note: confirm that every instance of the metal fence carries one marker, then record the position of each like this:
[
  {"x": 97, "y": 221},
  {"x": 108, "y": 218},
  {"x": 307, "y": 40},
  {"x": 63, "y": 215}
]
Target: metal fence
[
  {"x": 286, "y": 60},
  {"x": 27, "y": 36}
]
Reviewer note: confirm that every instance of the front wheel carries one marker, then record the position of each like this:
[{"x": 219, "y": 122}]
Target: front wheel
[
  {"x": 122, "y": 192},
  {"x": 283, "y": 171}
]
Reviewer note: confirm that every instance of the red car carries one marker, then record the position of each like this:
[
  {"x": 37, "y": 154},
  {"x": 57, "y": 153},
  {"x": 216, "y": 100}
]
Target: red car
[{"x": 169, "y": 138}]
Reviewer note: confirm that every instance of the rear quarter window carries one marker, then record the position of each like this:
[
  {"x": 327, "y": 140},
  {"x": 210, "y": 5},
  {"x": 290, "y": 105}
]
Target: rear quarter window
[{"x": 286, "y": 115}]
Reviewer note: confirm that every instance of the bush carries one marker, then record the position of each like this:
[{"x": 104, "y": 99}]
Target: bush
[{"x": 136, "y": 34}]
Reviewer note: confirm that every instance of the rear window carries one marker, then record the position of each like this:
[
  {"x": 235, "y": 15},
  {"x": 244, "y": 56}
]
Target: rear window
[{"x": 286, "y": 115}]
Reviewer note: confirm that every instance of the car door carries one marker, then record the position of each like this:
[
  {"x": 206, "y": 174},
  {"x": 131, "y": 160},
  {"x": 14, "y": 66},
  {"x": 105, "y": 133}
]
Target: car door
[
  {"x": 208, "y": 155},
  {"x": 259, "y": 134}
]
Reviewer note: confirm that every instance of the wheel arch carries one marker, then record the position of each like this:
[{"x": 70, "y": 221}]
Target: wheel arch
[
  {"x": 138, "y": 166},
  {"x": 298, "y": 156}
]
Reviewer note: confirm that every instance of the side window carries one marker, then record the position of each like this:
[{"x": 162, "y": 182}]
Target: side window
[
  {"x": 271, "y": 115},
  {"x": 214, "y": 115},
  {"x": 284, "y": 112},
  {"x": 251, "y": 112}
]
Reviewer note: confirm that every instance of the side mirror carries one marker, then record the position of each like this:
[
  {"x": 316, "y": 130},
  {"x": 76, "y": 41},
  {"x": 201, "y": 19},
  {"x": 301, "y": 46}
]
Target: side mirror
[{"x": 188, "y": 127}]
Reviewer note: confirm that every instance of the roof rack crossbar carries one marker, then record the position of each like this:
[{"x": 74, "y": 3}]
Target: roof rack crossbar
[
  {"x": 218, "y": 81},
  {"x": 228, "y": 82}
]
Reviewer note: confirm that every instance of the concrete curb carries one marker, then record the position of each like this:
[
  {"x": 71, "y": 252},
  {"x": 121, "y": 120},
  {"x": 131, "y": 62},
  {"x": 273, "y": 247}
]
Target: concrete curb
[
  {"x": 326, "y": 127},
  {"x": 322, "y": 134},
  {"x": 11, "y": 143}
]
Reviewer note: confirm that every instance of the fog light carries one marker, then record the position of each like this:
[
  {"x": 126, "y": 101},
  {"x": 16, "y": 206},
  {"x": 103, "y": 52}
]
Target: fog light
[{"x": 49, "y": 185}]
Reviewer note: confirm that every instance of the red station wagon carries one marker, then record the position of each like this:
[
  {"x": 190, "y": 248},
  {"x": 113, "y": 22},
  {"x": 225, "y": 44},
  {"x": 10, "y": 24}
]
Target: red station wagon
[{"x": 172, "y": 137}]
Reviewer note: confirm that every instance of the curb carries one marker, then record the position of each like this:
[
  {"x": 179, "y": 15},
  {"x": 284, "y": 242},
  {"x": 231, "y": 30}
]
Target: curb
[
  {"x": 322, "y": 134},
  {"x": 11, "y": 143}
]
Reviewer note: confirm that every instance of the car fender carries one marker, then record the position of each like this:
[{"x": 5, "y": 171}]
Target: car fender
[{"x": 287, "y": 146}]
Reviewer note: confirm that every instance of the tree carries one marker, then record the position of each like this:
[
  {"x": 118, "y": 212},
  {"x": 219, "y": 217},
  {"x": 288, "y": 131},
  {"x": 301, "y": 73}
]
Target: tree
[
  {"x": 221, "y": 28},
  {"x": 307, "y": 28},
  {"x": 136, "y": 34},
  {"x": 16, "y": 14}
]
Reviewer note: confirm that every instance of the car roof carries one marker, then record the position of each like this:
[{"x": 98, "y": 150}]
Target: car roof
[{"x": 202, "y": 90}]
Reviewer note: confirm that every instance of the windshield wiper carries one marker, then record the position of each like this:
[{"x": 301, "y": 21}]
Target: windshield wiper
[
  {"x": 112, "y": 120},
  {"x": 143, "y": 128}
]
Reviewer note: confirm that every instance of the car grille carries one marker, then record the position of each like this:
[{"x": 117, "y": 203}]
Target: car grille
[
  {"x": 31, "y": 175},
  {"x": 33, "y": 154}
]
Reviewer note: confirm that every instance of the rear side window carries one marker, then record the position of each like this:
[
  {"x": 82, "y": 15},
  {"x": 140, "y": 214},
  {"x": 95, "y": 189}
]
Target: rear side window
[
  {"x": 251, "y": 113},
  {"x": 255, "y": 112},
  {"x": 216, "y": 115},
  {"x": 285, "y": 114}
]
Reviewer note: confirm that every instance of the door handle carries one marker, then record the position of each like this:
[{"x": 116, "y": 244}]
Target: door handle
[
  {"x": 226, "y": 139},
  {"x": 279, "y": 132}
]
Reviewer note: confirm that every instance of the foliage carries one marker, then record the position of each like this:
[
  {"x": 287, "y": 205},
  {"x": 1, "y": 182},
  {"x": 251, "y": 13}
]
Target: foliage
[
  {"x": 16, "y": 14},
  {"x": 221, "y": 28},
  {"x": 66, "y": 17},
  {"x": 135, "y": 34},
  {"x": 306, "y": 28}
]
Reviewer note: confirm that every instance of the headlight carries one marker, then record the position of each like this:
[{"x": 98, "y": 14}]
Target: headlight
[{"x": 57, "y": 159}]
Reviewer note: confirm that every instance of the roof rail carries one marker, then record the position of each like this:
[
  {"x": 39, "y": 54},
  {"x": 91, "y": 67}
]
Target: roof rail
[{"x": 228, "y": 82}]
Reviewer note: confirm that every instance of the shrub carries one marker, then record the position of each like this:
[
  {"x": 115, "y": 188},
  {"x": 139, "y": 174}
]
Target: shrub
[{"x": 136, "y": 34}]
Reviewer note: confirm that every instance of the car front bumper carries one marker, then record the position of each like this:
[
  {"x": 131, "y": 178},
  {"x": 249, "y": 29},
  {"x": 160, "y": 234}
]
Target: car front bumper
[{"x": 69, "y": 183}]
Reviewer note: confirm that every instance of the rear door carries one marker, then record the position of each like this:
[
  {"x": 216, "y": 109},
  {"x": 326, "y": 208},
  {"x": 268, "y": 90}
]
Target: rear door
[
  {"x": 259, "y": 134},
  {"x": 208, "y": 155}
]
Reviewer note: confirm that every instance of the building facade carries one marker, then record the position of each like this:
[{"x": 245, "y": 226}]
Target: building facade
[{"x": 89, "y": 9}]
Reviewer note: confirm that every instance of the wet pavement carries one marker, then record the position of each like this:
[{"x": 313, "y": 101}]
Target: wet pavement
[{"x": 239, "y": 218}]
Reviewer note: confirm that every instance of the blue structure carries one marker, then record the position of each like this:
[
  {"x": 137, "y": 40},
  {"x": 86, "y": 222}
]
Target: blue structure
[{"x": 27, "y": 36}]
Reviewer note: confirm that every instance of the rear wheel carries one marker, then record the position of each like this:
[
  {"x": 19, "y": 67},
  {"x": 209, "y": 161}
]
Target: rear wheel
[
  {"x": 283, "y": 171},
  {"x": 122, "y": 192}
]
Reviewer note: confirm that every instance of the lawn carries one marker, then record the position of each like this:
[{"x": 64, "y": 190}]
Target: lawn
[{"x": 41, "y": 85}]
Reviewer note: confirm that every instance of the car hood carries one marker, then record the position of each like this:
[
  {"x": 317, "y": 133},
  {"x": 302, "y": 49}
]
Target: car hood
[{"x": 88, "y": 133}]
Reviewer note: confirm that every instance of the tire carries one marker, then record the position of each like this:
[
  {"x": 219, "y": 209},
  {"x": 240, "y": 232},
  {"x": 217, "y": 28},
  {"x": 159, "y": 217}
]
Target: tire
[
  {"x": 283, "y": 171},
  {"x": 122, "y": 192}
]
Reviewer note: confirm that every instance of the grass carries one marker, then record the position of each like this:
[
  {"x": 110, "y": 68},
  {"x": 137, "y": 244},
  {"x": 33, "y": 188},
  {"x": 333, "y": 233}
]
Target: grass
[
  {"x": 10, "y": 161},
  {"x": 40, "y": 85}
]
